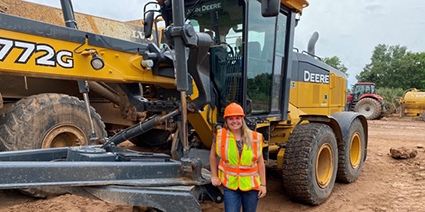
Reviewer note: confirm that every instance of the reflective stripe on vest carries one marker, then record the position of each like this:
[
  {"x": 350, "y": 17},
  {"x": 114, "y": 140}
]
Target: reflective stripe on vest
[{"x": 236, "y": 171}]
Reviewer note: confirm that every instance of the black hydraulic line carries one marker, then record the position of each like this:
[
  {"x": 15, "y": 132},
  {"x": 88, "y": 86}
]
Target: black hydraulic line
[
  {"x": 192, "y": 10},
  {"x": 83, "y": 86},
  {"x": 68, "y": 14},
  {"x": 156, "y": 30},
  {"x": 138, "y": 129}
]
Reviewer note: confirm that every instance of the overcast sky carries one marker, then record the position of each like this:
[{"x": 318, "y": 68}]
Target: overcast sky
[{"x": 349, "y": 29}]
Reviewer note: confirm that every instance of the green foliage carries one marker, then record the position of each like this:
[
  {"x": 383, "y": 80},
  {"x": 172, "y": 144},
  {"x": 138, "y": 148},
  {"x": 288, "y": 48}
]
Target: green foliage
[
  {"x": 391, "y": 97},
  {"x": 396, "y": 67},
  {"x": 259, "y": 87},
  {"x": 336, "y": 63}
]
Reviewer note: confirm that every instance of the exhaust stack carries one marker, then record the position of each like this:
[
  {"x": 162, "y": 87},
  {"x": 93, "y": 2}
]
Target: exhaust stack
[{"x": 312, "y": 43}]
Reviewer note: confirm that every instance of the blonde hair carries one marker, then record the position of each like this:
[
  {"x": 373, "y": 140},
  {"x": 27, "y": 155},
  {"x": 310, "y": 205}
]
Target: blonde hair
[{"x": 246, "y": 134}]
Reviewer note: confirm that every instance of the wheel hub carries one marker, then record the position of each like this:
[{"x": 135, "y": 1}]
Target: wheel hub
[
  {"x": 355, "y": 150},
  {"x": 324, "y": 165},
  {"x": 64, "y": 135},
  {"x": 367, "y": 110}
]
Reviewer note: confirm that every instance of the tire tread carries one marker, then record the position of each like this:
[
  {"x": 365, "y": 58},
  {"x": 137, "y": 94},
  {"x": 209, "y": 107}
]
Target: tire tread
[
  {"x": 296, "y": 159},
  {"x": 377, "y": 105},
  {"x": 343, "y": 174}
]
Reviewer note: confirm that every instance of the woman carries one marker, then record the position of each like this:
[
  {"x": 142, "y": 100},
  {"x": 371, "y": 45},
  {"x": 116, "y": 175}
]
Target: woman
[{"x": 241, "y": 167}]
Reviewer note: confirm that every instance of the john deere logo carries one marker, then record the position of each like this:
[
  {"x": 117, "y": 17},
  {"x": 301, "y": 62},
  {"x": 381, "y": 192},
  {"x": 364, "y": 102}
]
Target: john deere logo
[{"x": 316, "y": 77}]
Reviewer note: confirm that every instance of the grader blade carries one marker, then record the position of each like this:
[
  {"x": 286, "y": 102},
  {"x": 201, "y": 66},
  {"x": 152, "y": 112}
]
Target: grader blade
[{"x": 112, "y": 174}]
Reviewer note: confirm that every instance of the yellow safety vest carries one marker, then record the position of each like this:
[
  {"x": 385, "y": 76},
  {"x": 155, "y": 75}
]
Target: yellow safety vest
[{"x": 238, "y": 172}]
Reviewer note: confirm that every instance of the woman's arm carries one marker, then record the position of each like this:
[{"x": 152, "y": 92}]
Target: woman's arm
[
  {"x": 262, "y": 172},
  {"x": 213, "y": 166}
]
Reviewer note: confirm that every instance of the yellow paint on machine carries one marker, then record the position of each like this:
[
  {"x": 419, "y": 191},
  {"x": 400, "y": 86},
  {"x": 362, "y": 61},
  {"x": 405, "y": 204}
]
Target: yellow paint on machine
[
  {"x": 326, "y": 98},
  {"x": 283, "y": 129},
  {"x": 201, "y": 123},
  {"x": 298, "y": 5},
  {"x": 120, "y": 67},
  {"x": 413, "y": 103}
]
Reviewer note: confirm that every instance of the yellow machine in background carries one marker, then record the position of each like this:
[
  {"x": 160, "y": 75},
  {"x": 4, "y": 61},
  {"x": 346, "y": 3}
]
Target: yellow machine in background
[
  {"x": 215, "y": 53},
  {"x": 413, "y": 103}
]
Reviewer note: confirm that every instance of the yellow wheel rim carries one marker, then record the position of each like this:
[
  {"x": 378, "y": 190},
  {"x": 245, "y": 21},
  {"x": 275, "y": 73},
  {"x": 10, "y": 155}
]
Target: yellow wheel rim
[
  {"x": 63, "y": 136},
  {"x": 355, "y": 150},
  {"x": 324, "y": 165}
]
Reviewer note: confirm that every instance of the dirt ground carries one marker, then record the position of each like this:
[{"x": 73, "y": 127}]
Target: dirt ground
[{"x": 386, "y": 184}]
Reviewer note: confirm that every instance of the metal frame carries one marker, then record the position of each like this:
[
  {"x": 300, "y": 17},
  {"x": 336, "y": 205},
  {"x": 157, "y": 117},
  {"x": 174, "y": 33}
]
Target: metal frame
[
  {"x": 91, "y": 165},
  {"x": 113, "y": 174}
]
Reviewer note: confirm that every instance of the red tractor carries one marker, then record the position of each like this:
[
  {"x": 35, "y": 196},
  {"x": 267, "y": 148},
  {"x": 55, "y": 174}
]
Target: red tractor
[{"x": 365, "y": 100}]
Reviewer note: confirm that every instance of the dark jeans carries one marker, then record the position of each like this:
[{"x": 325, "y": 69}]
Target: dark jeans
[{"x": 234, "y": 199}]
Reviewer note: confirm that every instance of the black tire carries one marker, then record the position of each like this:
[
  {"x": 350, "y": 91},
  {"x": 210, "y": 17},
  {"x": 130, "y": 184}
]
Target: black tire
[
  {"x": 45, "y": 121},
  {"x": 369, "y": 107},
  {"x": 351, "y": 154},
  {"x": 152, "y": 138},
  {"x": 310, "y": 163},
  {"x": 380, "y": 116},
  {"x": 386, "y": 110}
]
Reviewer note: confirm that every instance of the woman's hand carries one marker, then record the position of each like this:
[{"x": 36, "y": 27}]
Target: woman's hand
[
  {"x": 263, "y": 191},
  {"x": 215, "y": 181},
  {"x": 213, "y": 165}
]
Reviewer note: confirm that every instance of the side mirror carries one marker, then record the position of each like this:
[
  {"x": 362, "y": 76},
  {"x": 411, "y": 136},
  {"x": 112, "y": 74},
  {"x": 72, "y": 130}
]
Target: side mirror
[
  {"x": 248, "y": 107},
  {"x": 270, "y": 8},
  {"x": 148, "y": 23}
]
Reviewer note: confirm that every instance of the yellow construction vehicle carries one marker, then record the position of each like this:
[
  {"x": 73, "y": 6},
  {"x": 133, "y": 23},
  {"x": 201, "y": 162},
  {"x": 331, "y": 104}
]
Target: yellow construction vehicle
[
  {"x": 413, "y": 103},
  {"x": 215, "y": 53},
  {"x": 107, "y": 99}
]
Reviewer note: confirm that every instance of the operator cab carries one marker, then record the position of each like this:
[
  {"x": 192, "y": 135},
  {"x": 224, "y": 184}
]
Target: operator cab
[
  {"x": 248, "y": 53},
  {"x": 363, "y": 88}
]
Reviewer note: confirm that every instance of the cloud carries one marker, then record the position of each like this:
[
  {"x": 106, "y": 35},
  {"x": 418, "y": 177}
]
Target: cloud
[
  {"x": 352, "y": 29},
  {"x": 374, "y": 8}
]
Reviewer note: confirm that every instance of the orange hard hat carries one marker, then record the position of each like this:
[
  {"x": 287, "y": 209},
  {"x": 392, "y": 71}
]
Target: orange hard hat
[{"x": 233, "y": 109}]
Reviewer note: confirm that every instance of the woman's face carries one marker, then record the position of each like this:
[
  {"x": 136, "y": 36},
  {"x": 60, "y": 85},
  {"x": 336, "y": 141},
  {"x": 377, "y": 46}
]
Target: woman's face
[{"x": 234, "y": 122}]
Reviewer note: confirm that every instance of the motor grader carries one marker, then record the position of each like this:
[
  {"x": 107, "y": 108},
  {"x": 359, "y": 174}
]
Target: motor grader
[
  {"x": 216, "y": 52},
  {"x": 106, "y": 98}
]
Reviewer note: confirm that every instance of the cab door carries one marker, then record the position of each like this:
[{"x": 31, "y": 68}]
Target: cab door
[
  {"x": 265, "y": 59},
  {"x": 260, "y": 58}
]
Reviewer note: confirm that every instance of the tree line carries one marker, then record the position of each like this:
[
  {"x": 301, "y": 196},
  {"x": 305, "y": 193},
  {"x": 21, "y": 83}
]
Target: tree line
[
  {"x": 390, "y": 67},
  {"x": 393, "y": 69}
]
